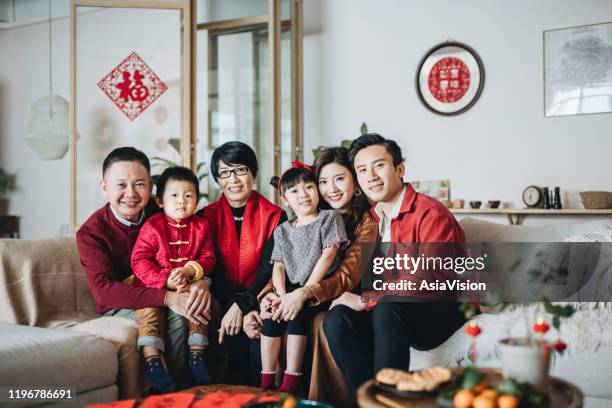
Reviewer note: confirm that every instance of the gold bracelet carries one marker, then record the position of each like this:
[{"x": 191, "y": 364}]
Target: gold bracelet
[{"x": 198, "y": 268}]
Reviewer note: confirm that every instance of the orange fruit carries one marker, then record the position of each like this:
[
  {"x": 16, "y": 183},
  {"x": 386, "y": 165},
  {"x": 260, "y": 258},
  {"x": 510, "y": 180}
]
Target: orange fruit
[
  {"x": 290, "y": 402},
  {"x": 484, "y": 402},
  {"x": 508, "y": 401},
  {"x": 484, "y": 384},
  {"x": 489, "y": 393},
  {"x": 463, "y": 399}
]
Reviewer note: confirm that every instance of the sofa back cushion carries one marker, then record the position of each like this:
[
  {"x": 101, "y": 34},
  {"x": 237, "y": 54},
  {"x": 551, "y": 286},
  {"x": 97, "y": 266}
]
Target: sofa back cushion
[
  {"x": 42, "y": 282},
  {"x": 485, "y": 231}
]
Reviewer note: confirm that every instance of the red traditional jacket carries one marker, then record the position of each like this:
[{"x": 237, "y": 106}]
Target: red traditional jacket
[
  {"x": 240, "y": 259},
  {"x": 164, "y": 244}
]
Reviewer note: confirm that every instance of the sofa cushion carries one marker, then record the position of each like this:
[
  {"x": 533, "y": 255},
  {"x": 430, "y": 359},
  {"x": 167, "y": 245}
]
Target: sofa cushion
[
  {"x": 42, "y": 282},
  {"x": 34, "y": 356},
  {"x": 123, "y": 334},
  {"x": 485, "y": 231}
]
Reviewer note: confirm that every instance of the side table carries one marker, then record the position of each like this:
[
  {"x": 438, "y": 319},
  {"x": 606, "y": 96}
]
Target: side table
[
  {"x": 562, "y": 394},
  {"x": 9, "y": 226}
]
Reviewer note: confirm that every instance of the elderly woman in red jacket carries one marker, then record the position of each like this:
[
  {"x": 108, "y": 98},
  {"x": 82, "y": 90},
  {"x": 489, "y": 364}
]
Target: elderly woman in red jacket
[{"x": 243, "y": 222}]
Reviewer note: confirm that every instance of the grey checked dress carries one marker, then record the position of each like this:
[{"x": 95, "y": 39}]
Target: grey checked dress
[{"x": 299, "y": 248}]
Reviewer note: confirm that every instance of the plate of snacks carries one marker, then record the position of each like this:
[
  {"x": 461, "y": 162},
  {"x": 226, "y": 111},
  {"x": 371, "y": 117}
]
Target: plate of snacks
[{"x": 414, "y": 384}]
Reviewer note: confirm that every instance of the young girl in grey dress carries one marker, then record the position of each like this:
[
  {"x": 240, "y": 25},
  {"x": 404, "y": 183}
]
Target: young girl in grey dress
[{"x": 305, "y": 248}]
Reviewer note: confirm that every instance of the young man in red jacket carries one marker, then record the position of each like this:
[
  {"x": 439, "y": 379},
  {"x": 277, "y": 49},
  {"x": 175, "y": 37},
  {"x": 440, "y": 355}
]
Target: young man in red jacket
[
  {"x": 365, "y": 332},
  {"x": 105, "y": 242}
]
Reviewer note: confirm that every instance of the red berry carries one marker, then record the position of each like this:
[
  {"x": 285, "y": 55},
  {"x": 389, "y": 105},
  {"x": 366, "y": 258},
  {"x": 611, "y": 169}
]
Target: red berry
[
  {"x": 473, "y": 329},
  {"x": 560, "y": 346},
  {"x": 541, "y": 326}
]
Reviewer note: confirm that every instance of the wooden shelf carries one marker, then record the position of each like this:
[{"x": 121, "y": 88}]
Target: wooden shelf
[{"x": 515, "y": 215}]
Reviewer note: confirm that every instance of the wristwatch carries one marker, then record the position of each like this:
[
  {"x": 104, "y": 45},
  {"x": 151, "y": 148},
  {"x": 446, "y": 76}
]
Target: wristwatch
[{"x": 362, "y": 302}]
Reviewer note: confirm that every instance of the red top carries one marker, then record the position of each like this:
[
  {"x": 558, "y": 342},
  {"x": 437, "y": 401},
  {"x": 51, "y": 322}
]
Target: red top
[
  {"x": 164, "y": 244},
  {"x": 105, "y": 246},
  {"x": 239, "y": 259},
  {"x": 420, "y": 219}
]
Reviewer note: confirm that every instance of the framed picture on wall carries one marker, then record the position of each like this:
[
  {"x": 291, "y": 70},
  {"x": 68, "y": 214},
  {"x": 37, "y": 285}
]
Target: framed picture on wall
[
  {"x": 450, "y": 78},
  {"x": 578, "y": 70}
]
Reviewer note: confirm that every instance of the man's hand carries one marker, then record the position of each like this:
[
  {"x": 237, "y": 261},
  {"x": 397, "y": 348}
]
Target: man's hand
[
  {"x": 289, "y": 305},
  {"x": 348, "y": 299},
  {"x": 266, "y": 305},
  {"x": 200, "y": 300},
  {"x": 231, "y": 323},
  {"x": 251, "y": 324},
  {"x": 177, "y": 302}
]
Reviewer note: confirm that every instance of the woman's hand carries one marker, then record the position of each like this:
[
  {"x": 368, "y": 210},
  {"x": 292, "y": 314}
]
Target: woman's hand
[
  {"x": 251, "y": 324},
  {"x": 289, "y": 305},
  {"x": 231, "y": 322},
  {"x": 348, "y": 299},
  {"x": 266, "y": 305}
]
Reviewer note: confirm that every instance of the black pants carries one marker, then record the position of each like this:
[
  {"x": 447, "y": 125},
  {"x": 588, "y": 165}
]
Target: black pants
[
  {"x": 364, "y": 342},
  {"x": 244, "y": 355},
  {"x": 245, "y": 360},
  {"x": 300, "y": 326}
]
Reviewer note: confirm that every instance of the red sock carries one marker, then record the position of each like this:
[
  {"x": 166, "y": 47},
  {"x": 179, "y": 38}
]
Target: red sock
[
  {"x": 291, "y": 383},
  {"x": 268, "y": 381}
]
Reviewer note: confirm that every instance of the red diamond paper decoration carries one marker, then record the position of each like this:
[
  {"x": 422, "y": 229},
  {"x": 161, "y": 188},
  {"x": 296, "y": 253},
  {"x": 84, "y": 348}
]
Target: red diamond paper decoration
[{"x": 132, "y": 86}]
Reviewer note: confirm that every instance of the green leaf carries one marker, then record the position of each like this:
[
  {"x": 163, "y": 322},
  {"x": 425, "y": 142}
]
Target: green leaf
[
  {"x": 346, "y": 143},
  {"x": 471, "y": 378},
  {"x": 556, "y": 322},
  {"x": 363, "y": 129},
  {"x": 509, "y": 386},
  {"x": 176, "y": 143},
  {"x": 449, "y": 393},
  {"x": 568, "y": 311},
  {"x": 531, "y": 395}
]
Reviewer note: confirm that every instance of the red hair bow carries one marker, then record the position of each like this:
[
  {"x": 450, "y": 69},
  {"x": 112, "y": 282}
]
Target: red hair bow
[{"x": 300, "y": 165}]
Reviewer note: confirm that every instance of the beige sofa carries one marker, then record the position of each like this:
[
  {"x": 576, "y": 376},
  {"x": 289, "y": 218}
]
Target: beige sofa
[{"x": 50, "y": 333}]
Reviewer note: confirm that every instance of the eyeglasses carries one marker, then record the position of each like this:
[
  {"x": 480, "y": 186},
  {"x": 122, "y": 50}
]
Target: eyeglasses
[{"x": 238, "y": 171}]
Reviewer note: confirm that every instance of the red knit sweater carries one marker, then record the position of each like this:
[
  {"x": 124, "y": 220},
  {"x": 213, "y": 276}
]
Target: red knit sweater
[{"x": 105, "y": 246}]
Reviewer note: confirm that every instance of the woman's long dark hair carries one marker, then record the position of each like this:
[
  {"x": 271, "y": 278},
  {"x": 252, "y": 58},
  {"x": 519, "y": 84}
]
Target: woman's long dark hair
[{"x": 359, "y": 204}]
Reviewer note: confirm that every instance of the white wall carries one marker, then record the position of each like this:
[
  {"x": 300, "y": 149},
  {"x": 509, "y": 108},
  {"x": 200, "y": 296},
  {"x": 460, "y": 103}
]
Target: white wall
[
  {"x": 360, "y": 65},
  {"x": 43, "y": 190},
  {"x": 370, "y": 53}
]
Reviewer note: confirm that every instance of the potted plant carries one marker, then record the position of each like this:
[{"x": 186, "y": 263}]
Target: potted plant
[
  {"x": 344, "y": 143},
  {"x": 4, "y": 188},
  {"x": 527, "y": 359}
]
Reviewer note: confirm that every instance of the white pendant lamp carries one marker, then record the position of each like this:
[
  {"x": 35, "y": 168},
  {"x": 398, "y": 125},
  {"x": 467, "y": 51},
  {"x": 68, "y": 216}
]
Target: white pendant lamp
[{"x": 48, "y": 131}]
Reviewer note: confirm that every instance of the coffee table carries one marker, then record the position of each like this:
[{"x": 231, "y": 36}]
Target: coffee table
[{"x": 562, "y": 394}]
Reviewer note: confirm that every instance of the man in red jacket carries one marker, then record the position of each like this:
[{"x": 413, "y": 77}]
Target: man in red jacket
[
  {"x": 105, "y": 242},
  {"x": 367, "y": 333}
]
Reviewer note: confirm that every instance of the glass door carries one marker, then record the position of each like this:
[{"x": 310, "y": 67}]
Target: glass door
[
  {"x": 244, "y": 92},
  {"x": 130, "y": 87}
]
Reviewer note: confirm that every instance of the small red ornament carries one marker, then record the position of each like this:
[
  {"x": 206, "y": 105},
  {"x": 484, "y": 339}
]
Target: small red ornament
[
  {"x": 541, "y": 326},
  {"x": 473, "y": 329},
  {"x": 560, "y": 346}
]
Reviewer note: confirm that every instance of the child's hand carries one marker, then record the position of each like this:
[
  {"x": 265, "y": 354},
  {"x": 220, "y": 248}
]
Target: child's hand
[
  {"x": 266, "y": 306},
  {"x": 176, "y": 280},
  {"x": 184, "y": 273}
]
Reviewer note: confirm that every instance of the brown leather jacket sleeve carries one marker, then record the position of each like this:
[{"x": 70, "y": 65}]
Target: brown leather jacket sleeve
[
  {"x": 267, "y": 289},
  {"x": 347, "y": 276}
]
